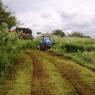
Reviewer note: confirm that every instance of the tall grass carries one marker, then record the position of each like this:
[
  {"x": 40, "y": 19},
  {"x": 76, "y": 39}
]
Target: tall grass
[
  {"x": 81, "y": 50},
  {"x": 72, "y": 44}
]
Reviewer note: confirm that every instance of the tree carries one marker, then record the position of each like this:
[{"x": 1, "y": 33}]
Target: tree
[
  {"x": 24, "y": 30},
  {"x": 59, "y": 33},
  {"x": 76, "y": 34},
  {"x": 6, "y": 16}
]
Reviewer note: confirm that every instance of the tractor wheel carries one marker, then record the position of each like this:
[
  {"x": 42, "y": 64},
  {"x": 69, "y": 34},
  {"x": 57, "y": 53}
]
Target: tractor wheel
[{"x": 43, "y": 47}]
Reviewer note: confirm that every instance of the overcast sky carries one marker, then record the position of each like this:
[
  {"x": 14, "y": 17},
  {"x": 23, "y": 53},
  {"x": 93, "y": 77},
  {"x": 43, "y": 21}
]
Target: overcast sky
[{"x": 47, "y": 15}]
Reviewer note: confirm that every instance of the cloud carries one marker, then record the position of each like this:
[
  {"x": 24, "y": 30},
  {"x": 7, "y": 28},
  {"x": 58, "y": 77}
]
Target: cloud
[
  {"x": 80, "y": 23},
  {"x": 47, "y": 15}
]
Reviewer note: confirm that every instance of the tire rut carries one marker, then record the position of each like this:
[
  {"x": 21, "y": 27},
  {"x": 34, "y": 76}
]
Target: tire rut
[
  {"x": 71, "y": 74},
  {"x": 40, "y": 84}
]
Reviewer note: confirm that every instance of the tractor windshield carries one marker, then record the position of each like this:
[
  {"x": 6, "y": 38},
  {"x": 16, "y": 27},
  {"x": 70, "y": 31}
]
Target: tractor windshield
[{"x": 46, "y": 38}]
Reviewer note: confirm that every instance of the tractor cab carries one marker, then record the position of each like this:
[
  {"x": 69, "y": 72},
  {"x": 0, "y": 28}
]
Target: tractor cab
[{"x": 46, "y": 42}]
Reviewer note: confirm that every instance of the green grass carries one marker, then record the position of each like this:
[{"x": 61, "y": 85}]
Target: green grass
[
  {"x": 27, "y": 44},
  {"x": 20, "y": 80},
  {"x": 85, "y": 43},
  {"x": 81, "y": 50},
  {"x": 86, "y": 59},
  {"x": 85, "y": 74},
  {"x": 58, "y": 84}
]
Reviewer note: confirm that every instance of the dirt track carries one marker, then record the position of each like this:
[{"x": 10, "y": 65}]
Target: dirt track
[{"x": 51, "y": 75}]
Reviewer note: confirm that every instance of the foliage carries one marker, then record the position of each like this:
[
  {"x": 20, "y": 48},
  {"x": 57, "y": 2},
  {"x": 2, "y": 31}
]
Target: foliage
[
  {"x": 73, "y": 48},
  {"x": 86, "y": 59},
  {"x": 27, "y": 44},
  {"x": 59, "y": 33},
  {"x": 72, "y": 44},
  {"x": 8, "y": 49},
  {"x": 10, "y": 46},
  {"x": 25, "y": 30},
  {"x": 81, "y": 50},
  {"x": 6, "y": 16},
  {"x": 77, "y": 34}
]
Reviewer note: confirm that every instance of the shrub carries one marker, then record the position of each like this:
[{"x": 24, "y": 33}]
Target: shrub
[{"x": 8, "y": 49}]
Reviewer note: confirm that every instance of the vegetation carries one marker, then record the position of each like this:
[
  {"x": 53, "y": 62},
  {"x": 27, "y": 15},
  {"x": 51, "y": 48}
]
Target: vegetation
[
  {"x": 85, "y": 59},
  {"x": 20, "y": 77},
  {"x": 10, "y": 46},
  {"x": 6, "y": 16},
  {"x": 8, "y": 49},
  {"x": 78, "y": 34},
  {"x": 81, "y": 50},
  {"x": 27, "y": 44},
  {"x": 58, "y": 33},
  {"x": 24, "y": 69}
]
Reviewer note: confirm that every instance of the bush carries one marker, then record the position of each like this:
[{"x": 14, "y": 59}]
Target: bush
[{"x": 8, "y": 49}]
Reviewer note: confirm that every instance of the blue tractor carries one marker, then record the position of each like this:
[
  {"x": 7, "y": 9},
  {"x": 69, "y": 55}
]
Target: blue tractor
[{"x": 46, "y": 42}]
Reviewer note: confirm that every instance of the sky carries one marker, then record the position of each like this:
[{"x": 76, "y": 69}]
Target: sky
[{"x": 48, "y": 15}]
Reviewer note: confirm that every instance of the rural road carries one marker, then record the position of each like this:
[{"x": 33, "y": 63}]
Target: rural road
[{"x": 43, "y": 73}]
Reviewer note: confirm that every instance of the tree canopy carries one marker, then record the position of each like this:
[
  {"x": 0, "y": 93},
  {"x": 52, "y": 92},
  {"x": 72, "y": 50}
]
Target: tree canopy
[
  {"x": 58, "y": 32},
  {"x": 25, "y": 30},
  {"x": 78, "y": 34},
  {"x": 6, "y": 16}
]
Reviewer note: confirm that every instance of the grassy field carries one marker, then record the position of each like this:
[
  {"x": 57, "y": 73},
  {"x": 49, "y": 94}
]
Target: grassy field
[
  {"x": 81, "y": 50},
  {"x": 34, "y": 72},
  {"x": 41, "y": 73}
]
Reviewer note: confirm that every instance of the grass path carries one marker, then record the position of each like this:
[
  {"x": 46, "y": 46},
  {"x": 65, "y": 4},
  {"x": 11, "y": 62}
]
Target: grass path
[{"x": 40, "y": 73}]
